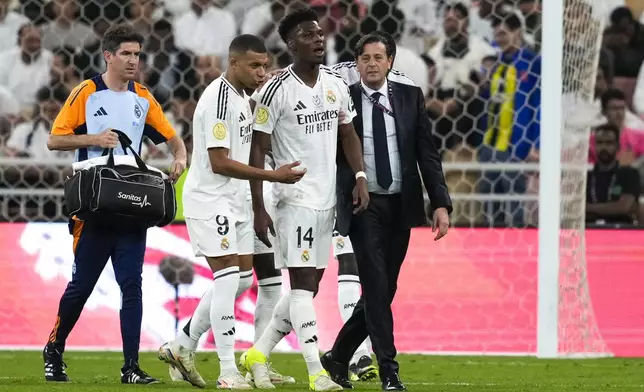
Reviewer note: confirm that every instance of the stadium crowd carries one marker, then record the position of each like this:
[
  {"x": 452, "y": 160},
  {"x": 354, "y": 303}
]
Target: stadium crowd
[{"x": 477, "y": 62}]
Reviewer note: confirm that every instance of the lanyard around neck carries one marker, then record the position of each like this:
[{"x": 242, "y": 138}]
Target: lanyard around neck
[{"x": 376, "y": 103}]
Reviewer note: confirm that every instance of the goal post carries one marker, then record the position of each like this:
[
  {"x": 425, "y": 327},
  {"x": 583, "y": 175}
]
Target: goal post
[{"x": 566, "y": 324}]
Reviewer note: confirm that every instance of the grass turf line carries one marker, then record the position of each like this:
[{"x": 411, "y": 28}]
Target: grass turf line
[{"x": 22, "y": 371}]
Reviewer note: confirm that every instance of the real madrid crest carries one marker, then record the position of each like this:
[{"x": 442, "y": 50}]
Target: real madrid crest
[
  {"x": 317, "y": 101},
  {"x": 224, "y": 243},
  {"x": 137, "y": 111},
  {"x": 330, "y": 96},
  {"x": 305, "y": 256},
  {"x": 339, "y": 243}
]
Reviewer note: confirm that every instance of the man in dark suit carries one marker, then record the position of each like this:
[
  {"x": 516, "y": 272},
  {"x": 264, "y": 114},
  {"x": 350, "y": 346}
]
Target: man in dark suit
[{"x": 396, "y": 137}]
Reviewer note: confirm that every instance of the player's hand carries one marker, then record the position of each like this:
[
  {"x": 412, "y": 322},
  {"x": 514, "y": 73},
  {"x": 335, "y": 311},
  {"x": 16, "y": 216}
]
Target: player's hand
[
  {"x": 360, "y": 196},
  {"x": 289, "y": 174},
  {"x": 440, "y": 221},
  {"x": 107, "y": 139},
  {"x": 177, "y": 169},
  {"x": 264, "y": 223}
]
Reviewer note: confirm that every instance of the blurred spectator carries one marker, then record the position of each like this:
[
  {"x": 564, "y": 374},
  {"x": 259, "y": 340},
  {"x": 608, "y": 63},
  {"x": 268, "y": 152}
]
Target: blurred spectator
[
  {"x": 89, "y": 60},
  {"x": 143, "y": 14},
  {"x": 531, "y": 11},
  {"x": 29, "y": 139},
  {"x": 207, "y": 69},
  {"x": 511, "y": 124},
  {"x": 622, "y": 17},
  {"x": 457, "y": 59},
  {"x": 348, "y": 32},
  {"x": 65, "y": 30},
  {"x": 603, "y": 82},
  {"x": 9, "y": 105},
  {"x": 422, "y": 23},
  {"x": 26, "y": 68},
  {"x": 481, "y": 21},
  {"x": 10, "y": 23},
  {"x": 167, "y": 66},
  {"x": 241, "y": 8},
  {"x": 206, "y": 30},
  {"x": 631, "y": 141},
  {"x": 63, "y": 72},
  {"x": 262, "y": 20},
  {"x": 627, "y": 60},
  {"x": 613, "y": 190},
  {"x": 407, "y": 61}
]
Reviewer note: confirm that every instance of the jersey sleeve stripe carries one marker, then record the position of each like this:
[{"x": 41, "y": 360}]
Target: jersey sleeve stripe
[
  {"x": 272, "y": 89},
  {"x": 222, "y": 101},
  {"x": 346, "y": 64},
  {"x": 71, "y": 102}
]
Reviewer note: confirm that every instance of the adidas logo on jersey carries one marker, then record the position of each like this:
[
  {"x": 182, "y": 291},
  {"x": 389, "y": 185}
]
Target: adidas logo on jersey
[
  {"x": 242, "y": 117},
  {"x": 100, "y": 112},
  {"x": 299, "y": 106}
]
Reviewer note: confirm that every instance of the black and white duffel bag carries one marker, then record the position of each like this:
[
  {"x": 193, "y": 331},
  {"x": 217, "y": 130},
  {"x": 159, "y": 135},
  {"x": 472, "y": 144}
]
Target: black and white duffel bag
[{"x": 120, "y": 190}]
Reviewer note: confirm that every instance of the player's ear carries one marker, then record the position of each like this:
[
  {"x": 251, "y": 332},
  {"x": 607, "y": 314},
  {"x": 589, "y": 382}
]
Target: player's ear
[{"x": 291, "y": 44}]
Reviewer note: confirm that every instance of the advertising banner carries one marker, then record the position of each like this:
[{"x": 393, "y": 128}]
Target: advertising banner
[{"x": 473, "y": 292}]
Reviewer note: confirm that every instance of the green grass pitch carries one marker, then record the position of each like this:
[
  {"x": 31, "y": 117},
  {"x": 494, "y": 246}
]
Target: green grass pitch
[{"x": 22, "y": 371}]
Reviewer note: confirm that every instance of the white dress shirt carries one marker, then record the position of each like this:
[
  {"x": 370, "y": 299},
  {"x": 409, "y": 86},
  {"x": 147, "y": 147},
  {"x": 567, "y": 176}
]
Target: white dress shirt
[{"x": 392, "y": 142}]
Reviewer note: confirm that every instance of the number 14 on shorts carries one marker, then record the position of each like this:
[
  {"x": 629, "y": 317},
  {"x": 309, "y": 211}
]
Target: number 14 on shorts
[{"x": 307, "y": 237}]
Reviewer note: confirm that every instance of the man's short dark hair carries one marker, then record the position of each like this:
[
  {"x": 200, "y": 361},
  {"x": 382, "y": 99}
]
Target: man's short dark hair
[
  {"x": 247, "y": 42},
  {"x": 370, "y": 39},
  {"x": 118, "y": 34},
  {"x": 459, "y": 7},
  {"x": 293, "y": 19},
  {"x": 56, "y": 94},
  {"x": 390, "y": 42},
  {"x": 510, "y": 19},
  {"x": 610, "y": 128},
  {"x": 612, "y": 94}
]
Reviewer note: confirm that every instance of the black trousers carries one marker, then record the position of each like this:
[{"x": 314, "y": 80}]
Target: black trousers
[{"x": 380, "y": 240}]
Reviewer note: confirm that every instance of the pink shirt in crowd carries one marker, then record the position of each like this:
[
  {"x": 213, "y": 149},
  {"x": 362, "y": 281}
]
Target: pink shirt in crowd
[{"x": 629, "y": 140}]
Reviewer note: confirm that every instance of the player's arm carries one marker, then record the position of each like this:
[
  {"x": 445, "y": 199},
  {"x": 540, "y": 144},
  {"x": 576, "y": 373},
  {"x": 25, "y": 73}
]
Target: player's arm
[
  {"x": 351, "y": 145},
  {"x": 68, "y": 133}
]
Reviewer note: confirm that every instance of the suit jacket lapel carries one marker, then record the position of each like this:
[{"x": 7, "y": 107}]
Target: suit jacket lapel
[
  {"x": 398, "y": 105},
  {"x": 356, "y": 96}
]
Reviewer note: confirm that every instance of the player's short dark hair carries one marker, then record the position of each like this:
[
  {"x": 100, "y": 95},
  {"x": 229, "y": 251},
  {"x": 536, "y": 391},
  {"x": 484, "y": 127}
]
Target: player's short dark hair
[
  {"x": 119, "y": 34},
  {"x": 610, "y": 128},
  {"x": 612, "y": 94},
  {"x": 56, "y": 94},
  {"x": 509, "y": 19},
  {"x": 247, "y": 42},
  {"x": 293, "y": 19},
  {"x": 370, "y": 39}
]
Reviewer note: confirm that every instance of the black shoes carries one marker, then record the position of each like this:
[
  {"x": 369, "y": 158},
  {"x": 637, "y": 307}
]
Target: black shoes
[
  {"x": 338, "y": 372},
  {"x": 392, "y": 383},
  {"x": 54, "y": 365},
  {"x": 132, "y": 374}
]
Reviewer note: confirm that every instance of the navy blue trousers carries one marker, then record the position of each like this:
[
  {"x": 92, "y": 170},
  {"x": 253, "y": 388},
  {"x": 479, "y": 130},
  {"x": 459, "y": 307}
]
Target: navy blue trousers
[{"x": 93, "y": 246}]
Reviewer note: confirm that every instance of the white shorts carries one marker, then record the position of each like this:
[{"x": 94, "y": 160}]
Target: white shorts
[
  {"x": 220, "y": 236},
  {"x": 303, "y": 235},
  {"x": 341, "y": 245},
  {"x": 260, "y": 248}
]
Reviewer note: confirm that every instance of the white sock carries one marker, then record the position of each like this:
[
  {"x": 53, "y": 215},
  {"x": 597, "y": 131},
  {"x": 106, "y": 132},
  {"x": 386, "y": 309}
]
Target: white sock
[
  {"x": 305, "y": 325},
  {"x": 348, "y": 296},
  {"x": 222, "y": 317},
  {"x": 245, "y": 282},
  {"x": 199, "y": 324},
  {"x": 269, "y": 291},
  {"x": 278, "y": 327}
]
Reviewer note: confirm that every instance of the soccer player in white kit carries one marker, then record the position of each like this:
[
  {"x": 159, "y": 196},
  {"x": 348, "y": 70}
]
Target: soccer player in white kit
[
  {"x": 297, "y": 114},
  {"x": 214, "y": 199}
]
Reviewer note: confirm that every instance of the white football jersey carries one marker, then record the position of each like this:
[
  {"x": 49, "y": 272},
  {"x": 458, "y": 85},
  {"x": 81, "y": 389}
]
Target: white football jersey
[
  {"x": 222, "y": 118},
  {"x": 303, "y": 123},
  {"x": 349, "y": 72},
  {"x": 267, "y": 186}
]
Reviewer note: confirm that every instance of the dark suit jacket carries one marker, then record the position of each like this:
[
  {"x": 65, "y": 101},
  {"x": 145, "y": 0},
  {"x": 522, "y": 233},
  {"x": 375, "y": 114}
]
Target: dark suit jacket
[{"x": 417, "y": 150}]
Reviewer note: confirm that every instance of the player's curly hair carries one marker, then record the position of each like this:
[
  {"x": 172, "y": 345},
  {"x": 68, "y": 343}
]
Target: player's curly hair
[{"x": 294, "y": 18}]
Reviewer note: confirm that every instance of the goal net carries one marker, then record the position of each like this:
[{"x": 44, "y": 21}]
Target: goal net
[{"x": 475, "y": 291}]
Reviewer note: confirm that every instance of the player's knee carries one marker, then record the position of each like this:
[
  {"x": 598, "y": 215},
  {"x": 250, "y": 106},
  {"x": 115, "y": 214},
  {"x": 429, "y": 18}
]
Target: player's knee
[
  {"x": 347, "y": 265},
  {"x": 222, "y": 262},
  {"x": 303, "y": 279},
  {"x": 131, "y": 289},
  {"x": 264, "y": 266}
]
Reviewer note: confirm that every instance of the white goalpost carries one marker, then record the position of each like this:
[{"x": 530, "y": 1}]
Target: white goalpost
[{"x": 566, "y": 325}]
